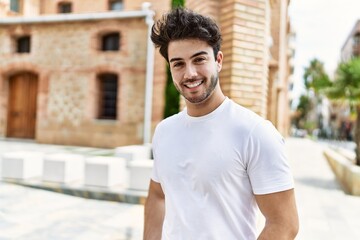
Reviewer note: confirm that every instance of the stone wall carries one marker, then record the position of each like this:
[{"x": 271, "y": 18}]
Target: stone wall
[{"x": 67, "y": 60}]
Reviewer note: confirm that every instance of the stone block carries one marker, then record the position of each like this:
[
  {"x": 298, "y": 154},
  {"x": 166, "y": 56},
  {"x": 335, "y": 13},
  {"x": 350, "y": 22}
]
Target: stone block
[
  {"x": 21, "y": 165},
  {"x": 140, "y": 173},
  {"x": 134, "y": 152},
  {"x": 345, "y": 171},
  {"x": 63, "y": 167},
  {"x": 105, "y": 172}
]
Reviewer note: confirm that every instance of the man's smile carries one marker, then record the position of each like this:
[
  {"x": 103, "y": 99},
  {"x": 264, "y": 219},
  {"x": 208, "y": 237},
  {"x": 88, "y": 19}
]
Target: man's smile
[{"x": 193, "y": 84}]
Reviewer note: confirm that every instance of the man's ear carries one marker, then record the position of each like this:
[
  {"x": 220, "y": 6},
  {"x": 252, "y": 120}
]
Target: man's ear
[{"x": 219, "y": 60}]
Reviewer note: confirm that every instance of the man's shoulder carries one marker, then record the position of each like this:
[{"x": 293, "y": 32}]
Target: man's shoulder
[
  {"x": 170, "y": 121},
  {"x": 244, "y": 116}
]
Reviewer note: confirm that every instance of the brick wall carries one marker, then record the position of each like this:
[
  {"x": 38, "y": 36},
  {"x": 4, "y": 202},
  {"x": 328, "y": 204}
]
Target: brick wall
[
  {"x": 278, "y": 101},
  {"x": 244, "y": 27},
  {"x": 251, "y": 74}
]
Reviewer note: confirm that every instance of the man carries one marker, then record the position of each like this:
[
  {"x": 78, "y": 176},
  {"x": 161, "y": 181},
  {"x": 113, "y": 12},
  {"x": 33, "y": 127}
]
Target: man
[{"x": 215, "y": 162}]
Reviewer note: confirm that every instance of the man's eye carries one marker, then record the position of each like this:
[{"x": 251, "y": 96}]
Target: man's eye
[
  {"x": 199, "y": 60},
  {"x": 179, "y": 64}
]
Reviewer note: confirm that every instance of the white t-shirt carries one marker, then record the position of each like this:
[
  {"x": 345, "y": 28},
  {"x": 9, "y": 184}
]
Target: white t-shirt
[{"x": 210, "y": 167}]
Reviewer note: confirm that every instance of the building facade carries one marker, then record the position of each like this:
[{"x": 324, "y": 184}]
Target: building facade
[
  {"x": 74, "y": 72},
  {"x": 351, "y": 47}
]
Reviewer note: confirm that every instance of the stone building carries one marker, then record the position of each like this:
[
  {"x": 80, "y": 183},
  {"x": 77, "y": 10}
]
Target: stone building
[
  {"x": 351, "y": 47},
  {"x": 340, "y": 112},
  {"x": 76, "y": 71}
]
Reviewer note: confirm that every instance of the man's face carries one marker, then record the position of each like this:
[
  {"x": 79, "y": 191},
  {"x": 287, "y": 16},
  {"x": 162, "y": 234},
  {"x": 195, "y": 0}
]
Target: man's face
[{"x": 194, "y": 69}]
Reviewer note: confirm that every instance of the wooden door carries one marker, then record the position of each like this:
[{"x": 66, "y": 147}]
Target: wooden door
[{"x": 21, "y": 120}]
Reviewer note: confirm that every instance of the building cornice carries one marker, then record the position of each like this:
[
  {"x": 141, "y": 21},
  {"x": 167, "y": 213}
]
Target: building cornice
[{"x": 56, "y": 18}]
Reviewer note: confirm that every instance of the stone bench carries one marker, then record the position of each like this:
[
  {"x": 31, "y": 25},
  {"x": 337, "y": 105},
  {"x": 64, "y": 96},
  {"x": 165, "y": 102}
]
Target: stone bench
[
  {"x": 63, "y": 167},
  {"x": 140, "y": 173},
  {"x": 105, "y": 172},
  {"x": 345, "y": 171},
  {"x": 21, "y": 165},
  {"x": 133, "y": 152}
]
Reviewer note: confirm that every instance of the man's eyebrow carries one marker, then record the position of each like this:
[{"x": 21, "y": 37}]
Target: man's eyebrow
[
  {"x": 175, "y": 59},
  {"x": 199, "y": 53},
  {"x": 194, "y": 55}
]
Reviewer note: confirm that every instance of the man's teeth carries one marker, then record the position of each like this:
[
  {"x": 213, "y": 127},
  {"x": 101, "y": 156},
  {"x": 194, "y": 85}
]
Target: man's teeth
[{"x": 193, "y": 84}]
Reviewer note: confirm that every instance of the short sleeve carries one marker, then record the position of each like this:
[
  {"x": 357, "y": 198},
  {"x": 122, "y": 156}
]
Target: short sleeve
[
  {"x": 267, "y": 165},
  {"x": 154, "y": 175}
]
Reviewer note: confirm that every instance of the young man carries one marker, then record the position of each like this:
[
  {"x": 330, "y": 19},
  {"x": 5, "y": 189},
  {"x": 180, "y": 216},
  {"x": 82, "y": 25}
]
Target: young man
[{"x": 215, "y": 162}]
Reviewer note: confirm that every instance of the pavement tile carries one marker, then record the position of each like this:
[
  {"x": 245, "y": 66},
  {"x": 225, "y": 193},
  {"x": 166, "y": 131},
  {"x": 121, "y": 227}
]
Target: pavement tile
[{"x": 325, "y": 211}]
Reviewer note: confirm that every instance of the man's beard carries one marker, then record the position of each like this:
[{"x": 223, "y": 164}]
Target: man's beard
[{"x": 209, "y": 90}]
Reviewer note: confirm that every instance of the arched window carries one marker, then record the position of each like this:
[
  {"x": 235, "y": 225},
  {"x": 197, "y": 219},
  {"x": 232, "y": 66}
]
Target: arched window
[
  {"x": 64, "y": 7},
  {"x": 110, "y": 42},
  {"x": 107, "y": 89}
]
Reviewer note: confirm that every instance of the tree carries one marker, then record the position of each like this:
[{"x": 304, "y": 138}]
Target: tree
[
  {"x": 346, "y": 87},
  {"x": 315, "y": 77},
  {"x": 315, "y": 80},
  {"x": 302, "y": 110},
  {"x": 172, "y": 96}
]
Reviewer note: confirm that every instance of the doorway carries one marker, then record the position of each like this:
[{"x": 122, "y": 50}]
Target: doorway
[{"x": 21, "y": 121}]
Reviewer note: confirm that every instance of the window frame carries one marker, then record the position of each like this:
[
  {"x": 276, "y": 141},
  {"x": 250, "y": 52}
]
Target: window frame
[
  {"x": 356, "y": 39},
  {"x": 108, "y": 39},
  {"x": 107, "y": 110},
  {"x": 113, "y": 3},
  {"x": 62, "y": 4},
  {"x": 18, "y": 8},
  {"x": 19, "y": 44}
]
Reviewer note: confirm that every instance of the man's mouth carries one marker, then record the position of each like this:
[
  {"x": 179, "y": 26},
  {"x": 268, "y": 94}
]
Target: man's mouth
[{"x": 193, "y": 84}]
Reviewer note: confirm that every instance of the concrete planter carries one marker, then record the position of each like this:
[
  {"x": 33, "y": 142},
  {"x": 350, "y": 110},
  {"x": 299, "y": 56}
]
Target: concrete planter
[{"x": 345, "y": 171}]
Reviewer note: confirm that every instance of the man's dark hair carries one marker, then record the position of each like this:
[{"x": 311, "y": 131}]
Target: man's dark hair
[{"x": 182, "y": 23}]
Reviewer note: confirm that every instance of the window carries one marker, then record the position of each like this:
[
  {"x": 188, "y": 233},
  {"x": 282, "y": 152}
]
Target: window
[
  {"x": 107, "y": 97},
  {"x": 23, "y": 44},
  {"x": 357, "y": 40},
  {"x": 116, "y": 5},
  {"x": 110, "y": 42},
  {"x": 15, "y": 5},
  {"x": 65, "y": 7}
]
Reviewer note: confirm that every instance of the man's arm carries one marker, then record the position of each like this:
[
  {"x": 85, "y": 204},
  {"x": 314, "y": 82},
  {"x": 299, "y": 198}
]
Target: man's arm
[
  {"x": 154, "y": 212},
  {"x": 280, "y": 212}
]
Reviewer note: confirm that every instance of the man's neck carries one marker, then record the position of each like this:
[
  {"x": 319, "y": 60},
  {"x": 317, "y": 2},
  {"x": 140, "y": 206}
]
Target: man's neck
[{"x": 206, "y": 107}]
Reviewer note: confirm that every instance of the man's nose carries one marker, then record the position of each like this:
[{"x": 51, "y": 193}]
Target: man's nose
[{"x": 190, "y": 71}]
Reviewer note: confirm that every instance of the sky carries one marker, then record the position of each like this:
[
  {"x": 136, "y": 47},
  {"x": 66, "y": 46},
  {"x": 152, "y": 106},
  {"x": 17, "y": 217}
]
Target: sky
[{"x": 321, "y": 28}]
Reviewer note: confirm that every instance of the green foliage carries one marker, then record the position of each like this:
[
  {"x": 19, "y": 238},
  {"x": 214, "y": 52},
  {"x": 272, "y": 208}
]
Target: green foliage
[
  {"x": 347, "y": 82},
  {"x": 346, "y": 86},
  {"x": 172, "y": 104},
  {"x": 304, "y": 105},
  {"x": 172, "y": 96},
  {"x": 177, "y": 3},
  {"x": 315, "y": 77},
  {"x": 302, "y": 110}
]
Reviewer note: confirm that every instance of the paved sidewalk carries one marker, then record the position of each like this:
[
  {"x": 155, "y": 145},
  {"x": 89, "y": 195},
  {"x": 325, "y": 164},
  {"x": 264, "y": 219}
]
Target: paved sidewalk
[
  {"x": 27, "y": 213},
  {"x": 326, "y": 212}
]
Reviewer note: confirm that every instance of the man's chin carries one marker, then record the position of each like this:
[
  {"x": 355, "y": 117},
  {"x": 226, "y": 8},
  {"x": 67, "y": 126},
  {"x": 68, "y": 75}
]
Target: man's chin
[{"x": 197, "y": 100}]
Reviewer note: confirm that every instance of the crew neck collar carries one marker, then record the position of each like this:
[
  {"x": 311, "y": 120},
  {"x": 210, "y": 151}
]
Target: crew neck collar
[{"x": 209, "y": 115}]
